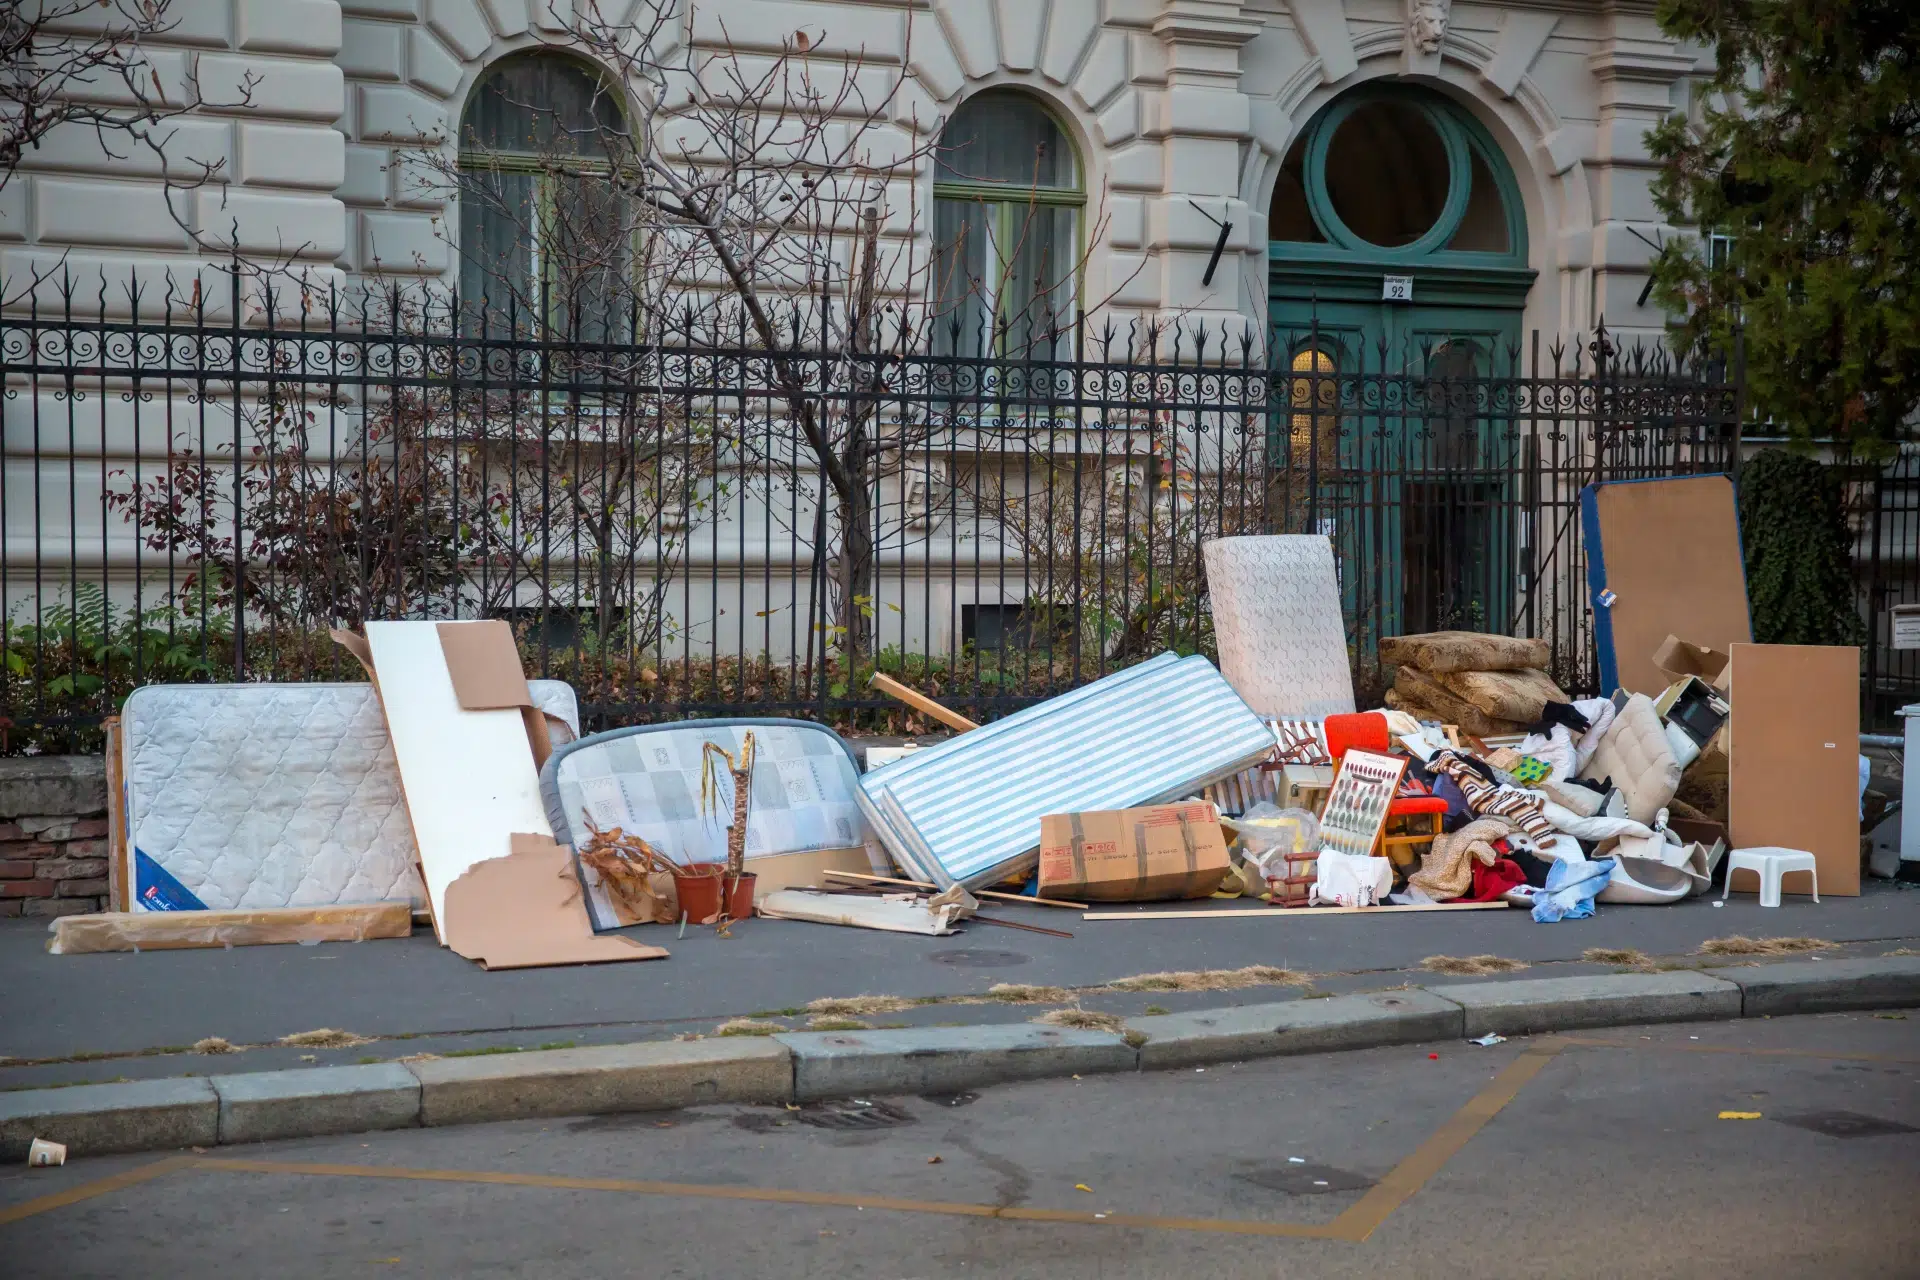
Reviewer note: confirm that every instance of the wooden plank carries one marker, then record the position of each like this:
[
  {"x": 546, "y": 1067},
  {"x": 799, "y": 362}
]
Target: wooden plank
[
  {"x": 1298, "y": 913},
  {"x": 184, "y": 930},
  {"x": 1794, "y": 768},
  {"x": 1669, "y": 550},
  {"x": 119, "y": 867},
  {"x": 921, "y": 703},
  {"x": 1021, "y": 898}
]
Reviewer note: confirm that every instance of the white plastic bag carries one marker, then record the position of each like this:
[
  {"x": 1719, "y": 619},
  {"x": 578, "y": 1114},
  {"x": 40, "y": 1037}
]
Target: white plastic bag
[{"x": 1351, "y": 880}]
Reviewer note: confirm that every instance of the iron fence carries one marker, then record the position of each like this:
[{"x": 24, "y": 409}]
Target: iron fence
[{"x": 682, "y": 522}]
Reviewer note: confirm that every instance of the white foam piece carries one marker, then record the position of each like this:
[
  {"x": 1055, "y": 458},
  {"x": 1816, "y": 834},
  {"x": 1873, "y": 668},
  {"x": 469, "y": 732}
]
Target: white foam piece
[{"x": 469, "y": 776}]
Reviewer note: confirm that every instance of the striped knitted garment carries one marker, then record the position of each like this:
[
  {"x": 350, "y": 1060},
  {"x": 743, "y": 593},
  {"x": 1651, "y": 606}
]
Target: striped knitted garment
[{"x": 1518, "y": 807}]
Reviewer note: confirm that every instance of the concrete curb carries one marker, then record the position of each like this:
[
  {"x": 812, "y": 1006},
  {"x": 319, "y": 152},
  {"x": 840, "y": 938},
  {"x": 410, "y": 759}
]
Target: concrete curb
[
  {"x": 1534, "y": 1005},
  {"x": 657, "y": 1076},
  {"x": 150, "y": 1115},
  {"x": 1295, "y": 1026},
  {"x": 837, "y": 1064},
  {"x": 1824, "y": 986}
]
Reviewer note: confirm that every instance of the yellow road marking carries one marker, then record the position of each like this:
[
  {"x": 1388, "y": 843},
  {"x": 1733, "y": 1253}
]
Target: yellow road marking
[
  {"x": 775, "y": 1195},
  {"x": 88, "y": 1190},
  {"x": 1407, "y": 1177},
  {"x": 1355, "y": 1224}
]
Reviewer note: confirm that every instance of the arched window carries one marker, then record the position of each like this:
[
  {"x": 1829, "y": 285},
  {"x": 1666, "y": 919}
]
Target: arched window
[
  {"x": 1394, "y": 175},
  {"x": 543, "y": 236},
  {"x": 1008, "y": 196}
]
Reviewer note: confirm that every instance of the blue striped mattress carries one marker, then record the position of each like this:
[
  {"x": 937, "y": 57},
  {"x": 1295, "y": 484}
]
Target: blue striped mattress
[{"x": 968, "y": 811}]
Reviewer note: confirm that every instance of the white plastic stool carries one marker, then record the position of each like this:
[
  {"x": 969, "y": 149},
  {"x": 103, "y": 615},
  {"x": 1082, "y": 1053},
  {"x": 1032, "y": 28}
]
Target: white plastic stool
[{"x": 1770, "y": 864}]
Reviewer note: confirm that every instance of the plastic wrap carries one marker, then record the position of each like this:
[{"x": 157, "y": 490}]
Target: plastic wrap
[{"x": 181, "y": 930}]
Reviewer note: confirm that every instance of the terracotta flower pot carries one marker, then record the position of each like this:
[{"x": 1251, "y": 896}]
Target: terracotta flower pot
[{"x": 699, "y": 885}]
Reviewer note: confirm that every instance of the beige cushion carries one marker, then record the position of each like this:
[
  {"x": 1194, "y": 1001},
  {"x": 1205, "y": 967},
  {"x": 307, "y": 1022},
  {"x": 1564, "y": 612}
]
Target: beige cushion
[{"x": 1635, "y": 754}]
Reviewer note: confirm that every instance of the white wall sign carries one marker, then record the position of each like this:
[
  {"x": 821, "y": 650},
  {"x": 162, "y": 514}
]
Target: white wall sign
[{"x": 1396, "y": 288}]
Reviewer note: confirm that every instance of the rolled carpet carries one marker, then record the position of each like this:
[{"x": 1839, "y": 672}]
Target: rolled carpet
[
  {"x": 1464, "y": 651},
  {"x": 1434, "y": 703},
  {"x": 1504, "y": 695}
]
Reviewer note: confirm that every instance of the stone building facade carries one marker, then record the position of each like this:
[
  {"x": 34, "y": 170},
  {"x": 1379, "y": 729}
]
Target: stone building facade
[
  {"x": 1184, "y": 114},
  {"x": 1392, "y": 176}
]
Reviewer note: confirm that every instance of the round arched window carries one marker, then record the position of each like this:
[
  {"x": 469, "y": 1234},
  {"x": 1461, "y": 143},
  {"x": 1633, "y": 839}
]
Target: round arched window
[
  {"x": 543, "y": 233},
  {"x": 1006, "y": 220},
  {"x": 1396, "y": 173}
]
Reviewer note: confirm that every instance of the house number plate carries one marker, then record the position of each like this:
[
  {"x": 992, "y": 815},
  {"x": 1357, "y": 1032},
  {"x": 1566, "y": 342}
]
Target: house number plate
[{"x": 1396, "y": 288}]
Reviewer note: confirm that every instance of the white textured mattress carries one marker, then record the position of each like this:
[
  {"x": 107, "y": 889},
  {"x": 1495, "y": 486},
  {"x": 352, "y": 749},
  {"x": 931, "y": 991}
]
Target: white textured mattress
[{"x": 277, "y": 795}]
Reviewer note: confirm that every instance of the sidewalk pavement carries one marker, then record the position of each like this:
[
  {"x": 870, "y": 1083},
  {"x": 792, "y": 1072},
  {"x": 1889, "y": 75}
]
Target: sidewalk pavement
[{"x": 68, "y": 1020}]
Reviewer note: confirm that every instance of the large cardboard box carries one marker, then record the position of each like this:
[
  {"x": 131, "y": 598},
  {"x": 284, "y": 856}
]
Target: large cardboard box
[{"x": 1149, "y": 854}]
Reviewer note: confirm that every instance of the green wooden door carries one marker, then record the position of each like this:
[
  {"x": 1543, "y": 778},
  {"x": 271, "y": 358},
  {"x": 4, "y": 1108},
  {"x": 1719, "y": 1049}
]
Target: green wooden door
[{"x": 1396, "y": 439}]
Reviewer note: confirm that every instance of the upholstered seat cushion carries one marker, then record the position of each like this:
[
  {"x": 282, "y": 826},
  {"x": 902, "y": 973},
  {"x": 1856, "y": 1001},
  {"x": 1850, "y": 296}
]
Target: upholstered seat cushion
[{"x": 1636, "y": 755}]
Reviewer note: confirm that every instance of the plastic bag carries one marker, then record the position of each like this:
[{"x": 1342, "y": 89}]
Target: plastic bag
[{"x": 1267, "y": 828}]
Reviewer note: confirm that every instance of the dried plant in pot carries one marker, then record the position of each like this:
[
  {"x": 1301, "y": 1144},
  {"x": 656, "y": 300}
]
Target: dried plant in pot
[
  {"x": 720, "y": 893},
  {"x": 638, "y": 879}
]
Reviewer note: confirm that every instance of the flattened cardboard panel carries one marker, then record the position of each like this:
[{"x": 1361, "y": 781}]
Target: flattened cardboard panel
[
  {"x": 485, "y": 665},
  {"x": 469, "y": 776},
  {"x": 1795, "y": 745},
  {"x": 524, "y": 911},
  {"x": 1669, "y": 551},
  {"x": 181, "y": 930}
]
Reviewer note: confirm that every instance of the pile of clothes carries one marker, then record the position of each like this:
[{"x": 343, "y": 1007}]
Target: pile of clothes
[{"x": 1571, "y": 809}]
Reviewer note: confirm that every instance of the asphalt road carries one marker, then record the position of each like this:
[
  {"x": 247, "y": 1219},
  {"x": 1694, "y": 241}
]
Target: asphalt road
[{"x": 1596, "y": 1155}]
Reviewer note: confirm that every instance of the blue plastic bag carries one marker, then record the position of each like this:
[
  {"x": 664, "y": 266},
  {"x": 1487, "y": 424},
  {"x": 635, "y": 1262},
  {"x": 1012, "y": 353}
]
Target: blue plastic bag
[{"x": 1571, "y": 887}]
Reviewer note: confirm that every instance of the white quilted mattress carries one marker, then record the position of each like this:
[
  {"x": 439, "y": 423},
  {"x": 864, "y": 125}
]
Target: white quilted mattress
[{"x": 277, "y": 795}]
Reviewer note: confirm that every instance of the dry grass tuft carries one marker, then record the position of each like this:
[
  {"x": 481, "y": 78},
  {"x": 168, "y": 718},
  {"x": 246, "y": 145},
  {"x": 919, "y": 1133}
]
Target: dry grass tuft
[
  {"x": 1021, "y": 993},
  {"x": 325, "y": 1038},
  {"x": 214, "y": 1044},
  {"x": 1903, "y": 951},
  {"x": 1471, "y": 966},
  {"x": 1739, "y": 945},
  {"x": 1615, "y": 955},
  {"x": 858, "y": 1006},
  {"x": 747, "y": 1027},
  {"x": 1084, "y": 1019},
  {"x": 419, "y": 1057},
  {"x": 838, "y": 1024},
  {"x": 1255, "y": 975}
]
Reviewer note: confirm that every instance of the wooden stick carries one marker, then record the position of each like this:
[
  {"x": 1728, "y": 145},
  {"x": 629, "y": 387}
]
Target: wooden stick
[
  {"x": 1308, "y": 913},
  {"x": 921, "y": 702},
  {"x": 1015, "y": 924},
  {"x": 1021, "y": 898}
]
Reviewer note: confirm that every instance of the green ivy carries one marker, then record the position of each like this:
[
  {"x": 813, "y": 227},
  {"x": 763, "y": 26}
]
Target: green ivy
[{"x": 1793, "y": 524}]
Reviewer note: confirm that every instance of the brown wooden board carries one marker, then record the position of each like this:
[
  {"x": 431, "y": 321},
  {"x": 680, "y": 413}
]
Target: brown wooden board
[
  {"x": 1795, "y": 767},
  {"x": 119, "y": 867},
  {"x": 1669, "y": 550},
  {"x": 181, "y": 930}
]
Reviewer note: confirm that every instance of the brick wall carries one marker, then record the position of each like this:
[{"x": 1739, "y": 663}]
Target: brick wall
[{"x": 53, "y": 836}]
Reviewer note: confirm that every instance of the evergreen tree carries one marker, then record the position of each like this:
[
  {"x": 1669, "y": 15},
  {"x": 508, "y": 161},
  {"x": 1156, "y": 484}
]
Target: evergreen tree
[
  {"x": 1793, "y": 526},
  {"x": 1803, "y": 148}
]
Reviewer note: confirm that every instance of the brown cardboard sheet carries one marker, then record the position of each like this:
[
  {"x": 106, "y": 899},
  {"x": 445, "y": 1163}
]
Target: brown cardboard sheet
[
  {"x": 1794, "y": 759},
  {"x": 1673, "y": 562},
  {"x": 525, "y": 910},
  {"x": 484, "y": 662},
  {"x": 182, "y": 930},
  {"x": 1149, "y": 854}
]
